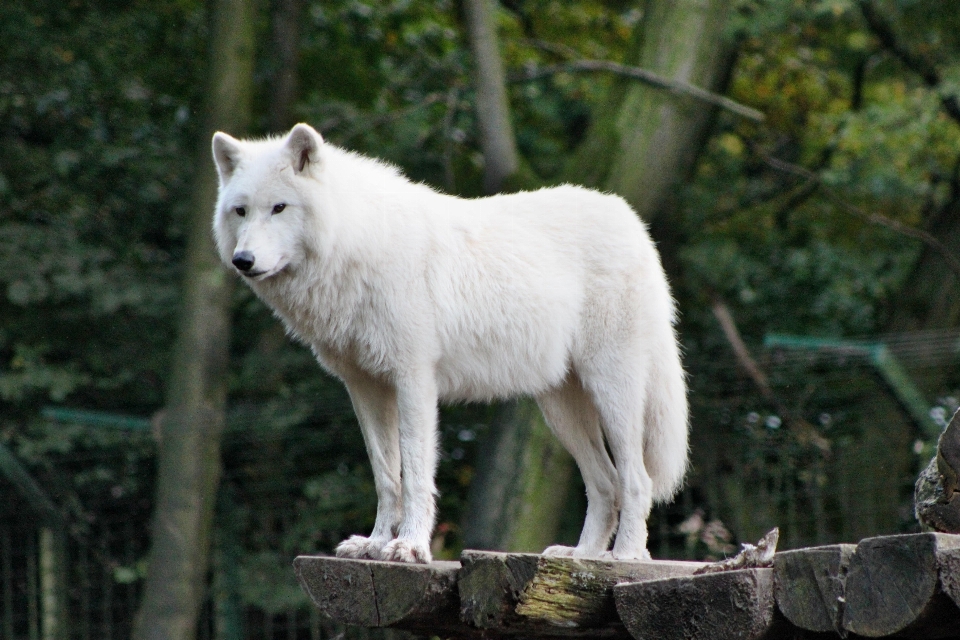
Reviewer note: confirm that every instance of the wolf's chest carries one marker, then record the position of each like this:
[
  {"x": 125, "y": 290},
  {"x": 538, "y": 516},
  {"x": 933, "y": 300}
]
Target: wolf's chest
[{"x": 314, "y": 312}]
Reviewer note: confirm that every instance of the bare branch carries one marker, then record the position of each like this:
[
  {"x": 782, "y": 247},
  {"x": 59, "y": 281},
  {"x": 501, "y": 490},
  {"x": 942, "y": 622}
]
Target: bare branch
[
  {"x": 354, "y": 125},
  {"x": 722, "y": 313},
  {"x": 561, "y": 50},
  {"x": 873, "y": 218},
  {"x": 804, "y": 431},
  {"x": 677, "y": 87}
]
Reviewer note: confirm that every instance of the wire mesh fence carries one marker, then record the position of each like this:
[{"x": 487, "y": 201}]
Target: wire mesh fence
[{"x": 840, "y": 467}]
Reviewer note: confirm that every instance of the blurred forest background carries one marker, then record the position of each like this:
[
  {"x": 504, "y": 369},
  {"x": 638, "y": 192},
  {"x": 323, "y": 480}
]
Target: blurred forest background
[{"x": 809, "y": 222}]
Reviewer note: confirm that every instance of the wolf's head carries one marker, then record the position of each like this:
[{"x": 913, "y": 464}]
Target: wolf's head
[{"x": 264, "y": 206}]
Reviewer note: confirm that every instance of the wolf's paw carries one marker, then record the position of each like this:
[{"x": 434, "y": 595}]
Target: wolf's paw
[
  {"x": 642, "y": 554},
  {"x": 402, "y": 550},
  {"x": 360, "y": 547},
  {"x": 559, "y": 551}
]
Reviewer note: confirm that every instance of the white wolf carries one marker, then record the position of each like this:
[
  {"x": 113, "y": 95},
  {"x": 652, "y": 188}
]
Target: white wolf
[{"x": 412, "y": 297}]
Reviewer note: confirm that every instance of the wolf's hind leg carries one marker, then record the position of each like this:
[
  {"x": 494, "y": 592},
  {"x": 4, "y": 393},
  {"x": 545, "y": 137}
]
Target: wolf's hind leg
[
  {"x": 621, "y": 407},
  {"x": 573, "y": 418},
  {"x": 375, "y": 404}
]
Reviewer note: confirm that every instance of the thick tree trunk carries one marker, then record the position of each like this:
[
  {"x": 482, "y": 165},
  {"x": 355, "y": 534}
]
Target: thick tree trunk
[
  {"x": 287, "y": 16},
  {"x": 521, "y": 595},
  {"x": 501, "y": 159},
  {"x": 372, "y": 593},
  {"x": 809, "y": 586},
  {"x": 189, "y": 450},
  {"x": 936, "y": 502},
  {"x": 519, "y": 491},
  {"x": 644, "y": 141}
]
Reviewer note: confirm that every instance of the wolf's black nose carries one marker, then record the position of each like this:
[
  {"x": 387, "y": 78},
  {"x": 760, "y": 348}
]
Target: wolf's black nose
[{"x": 243, "y": 260}]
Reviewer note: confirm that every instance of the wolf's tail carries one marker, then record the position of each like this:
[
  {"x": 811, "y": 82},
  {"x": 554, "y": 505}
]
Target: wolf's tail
[{"x": 666, "y": 414}]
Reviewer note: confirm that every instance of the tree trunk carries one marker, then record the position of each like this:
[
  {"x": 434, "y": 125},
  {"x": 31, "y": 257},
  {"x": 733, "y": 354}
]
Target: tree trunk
[
  {"x": 893, "y": 587},
  {"x": 189, "y": 463},
  {"x": 510, "y": 595},
  {"x": 809, "y": 586},
  {"x": 644, "y": 141},
  {"x": 501, "y": 159},
  {"x": 286, "y": 16},
  {"x": 518, "y": 493}
]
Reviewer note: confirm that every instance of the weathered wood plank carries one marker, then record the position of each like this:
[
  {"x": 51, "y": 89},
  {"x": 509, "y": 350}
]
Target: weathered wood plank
[
  {"x": 893, "y": 587},
  {"x": 809, "y": 586},
  {"x": 490, "y": 585},
  {"x": 527, "y": 594},
  {"x": 714, "y": 606},
  {"x": 908, "y": 586},
  {"x": 367, "y": 593}
]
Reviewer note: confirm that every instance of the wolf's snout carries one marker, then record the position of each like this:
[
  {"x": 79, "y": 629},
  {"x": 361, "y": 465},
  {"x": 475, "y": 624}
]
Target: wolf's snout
[{"x": 243, "y": 260}]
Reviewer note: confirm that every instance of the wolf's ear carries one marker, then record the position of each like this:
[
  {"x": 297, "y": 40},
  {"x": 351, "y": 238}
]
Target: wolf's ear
[
  {"x": 226, "y": 153},
  {"x": 303, "y": 143}
]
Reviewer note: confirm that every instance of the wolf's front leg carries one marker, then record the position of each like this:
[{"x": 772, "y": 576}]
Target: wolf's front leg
[
  {"x": 375, "y": 404},
  {"x": 417, "y": 404}
]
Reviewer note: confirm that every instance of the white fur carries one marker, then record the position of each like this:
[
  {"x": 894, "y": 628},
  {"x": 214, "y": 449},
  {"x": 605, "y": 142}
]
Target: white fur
[{"x": 413, "y": 297}]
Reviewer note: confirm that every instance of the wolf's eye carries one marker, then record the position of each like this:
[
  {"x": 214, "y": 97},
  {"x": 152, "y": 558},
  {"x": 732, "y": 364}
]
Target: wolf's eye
[
  {"x": 277, "y": 208},
  {"x": 241, "y": 211}
]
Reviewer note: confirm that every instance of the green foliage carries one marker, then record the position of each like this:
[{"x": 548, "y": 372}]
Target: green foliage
[
  {"x": 776, "y": 247},
  {"x": 92, "y": 155},
  {"x": 772, "y": 243},
  {"x": 99, "y": 107}
]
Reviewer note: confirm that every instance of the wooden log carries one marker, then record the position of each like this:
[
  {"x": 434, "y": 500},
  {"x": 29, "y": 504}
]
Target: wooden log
[
  {"x": 809, "y": 586},
  {"x": 368, "y": 593},
  {"x": 527, "y": 594},
  {"x": 948, "y": 561},
  {"x": 713, "y": 606},
  {"x": 893, "y": 587},
  {"x": 937, "y": 494}
]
